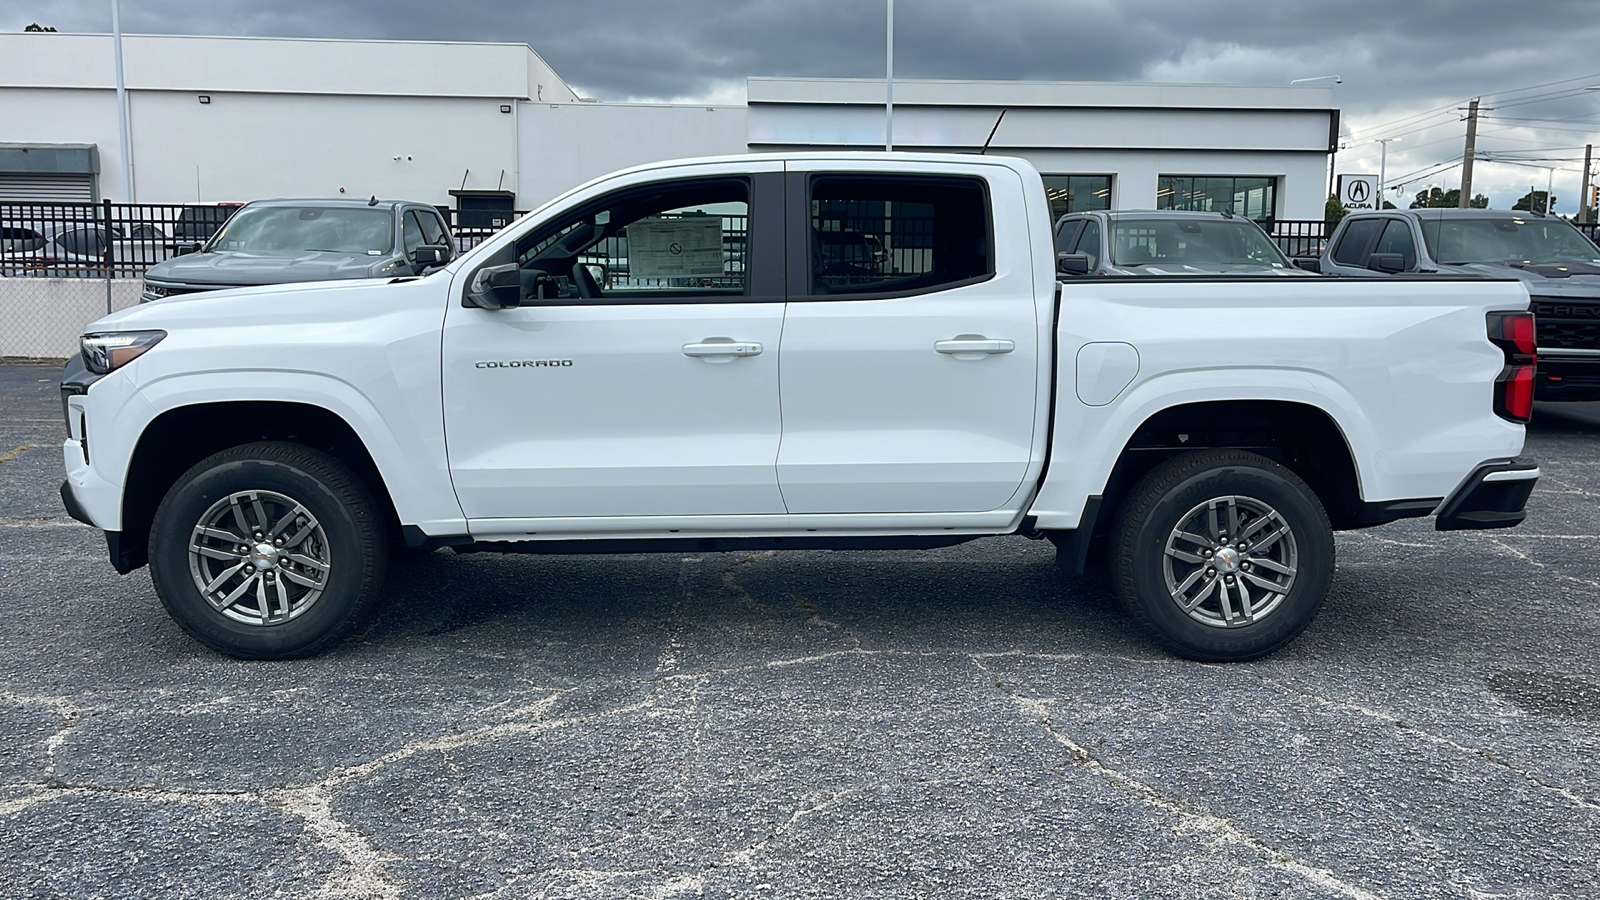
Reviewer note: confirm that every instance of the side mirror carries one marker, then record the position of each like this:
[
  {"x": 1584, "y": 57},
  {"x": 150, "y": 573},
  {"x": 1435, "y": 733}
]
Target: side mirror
[
  {"x": 429, "y": 255},
  {"x": 187, "y": 248},
  {"x": 495, "y": 287},
  {"x": 1391, "y": 263},
  {"x": 1309, "y": 263},
  {"x": 1072, "y": 263}
]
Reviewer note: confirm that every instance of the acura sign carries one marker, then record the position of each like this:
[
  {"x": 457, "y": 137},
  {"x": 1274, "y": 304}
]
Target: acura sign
[{"x": 1358, "y": 191}]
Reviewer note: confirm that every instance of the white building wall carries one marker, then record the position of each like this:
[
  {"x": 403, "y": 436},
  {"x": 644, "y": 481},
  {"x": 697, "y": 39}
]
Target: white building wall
[
  {"x": 565, "y": 145},
  {"x": 286, "y": 117},
  {"x": 251, "y": 146},
  {"x": 46, "y": 116}
]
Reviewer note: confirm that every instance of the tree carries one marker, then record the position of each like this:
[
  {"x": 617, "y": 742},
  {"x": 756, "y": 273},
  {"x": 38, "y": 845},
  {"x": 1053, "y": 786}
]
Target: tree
[
  {"x": 1433, "y": 198},
  {"x": 1333, "y": 211},
  {"x": 1535, "y": 200},
  {"x": 37, "y": 27}
]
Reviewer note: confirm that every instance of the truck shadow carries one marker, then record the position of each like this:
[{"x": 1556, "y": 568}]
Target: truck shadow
[{"x": 987, "y": 596}]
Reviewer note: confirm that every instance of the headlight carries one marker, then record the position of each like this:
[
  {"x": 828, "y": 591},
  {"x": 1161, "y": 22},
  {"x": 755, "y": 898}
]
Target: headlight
[
  {"x": 111, "y": 350},
  {"x": 152, "y": 292}
]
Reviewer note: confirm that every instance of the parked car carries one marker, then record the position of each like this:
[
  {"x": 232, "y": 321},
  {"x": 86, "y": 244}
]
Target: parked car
[
  {"x": 281, "y": 241},
  {"x": 57, "y": 250},
  {"x": 1166, "y": 242},
  {"x": 263, "y": 449},
  {"x": 1554, "y": 261}
]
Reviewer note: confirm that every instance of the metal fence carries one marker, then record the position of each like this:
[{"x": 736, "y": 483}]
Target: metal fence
[{"x": 122, "y": 240}]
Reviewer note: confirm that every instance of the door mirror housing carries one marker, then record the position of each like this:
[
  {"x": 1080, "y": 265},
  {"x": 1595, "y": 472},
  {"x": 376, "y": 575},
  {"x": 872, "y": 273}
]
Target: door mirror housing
[
  {"x": 1391, "y": 263},
  {"x": 187, "y": 248},
  {"x": 1309, "y": 263},
  {"x": 495, "y": 287},
  {"x": 429, "y": 255},
  {"x": 1072, "y": 263}
]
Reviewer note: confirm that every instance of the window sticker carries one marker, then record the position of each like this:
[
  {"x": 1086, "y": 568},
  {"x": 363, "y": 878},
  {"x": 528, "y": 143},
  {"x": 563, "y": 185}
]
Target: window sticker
[{"x": 678, "y": 247}]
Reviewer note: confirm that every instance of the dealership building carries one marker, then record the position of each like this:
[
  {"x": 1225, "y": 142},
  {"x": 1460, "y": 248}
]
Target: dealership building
[{"x": 491, "y": 126}]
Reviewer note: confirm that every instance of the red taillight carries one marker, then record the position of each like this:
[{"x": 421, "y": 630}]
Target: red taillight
[{"x": 1513, "y": 333}]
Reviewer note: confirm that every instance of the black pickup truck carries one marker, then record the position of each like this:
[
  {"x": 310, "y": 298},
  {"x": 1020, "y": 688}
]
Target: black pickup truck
[{"x": 1559, "y": 266}]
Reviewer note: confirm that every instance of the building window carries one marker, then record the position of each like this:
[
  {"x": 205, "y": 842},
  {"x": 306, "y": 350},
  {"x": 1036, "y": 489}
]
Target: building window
[
  {"x": 1077, "y": 193},
  {"x": 1253, "y": 198}
]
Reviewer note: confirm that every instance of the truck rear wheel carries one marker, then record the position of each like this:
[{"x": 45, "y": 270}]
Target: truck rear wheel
[
  {"x": 268, "y": 551},
  {"x": 1222, "y": 555}
]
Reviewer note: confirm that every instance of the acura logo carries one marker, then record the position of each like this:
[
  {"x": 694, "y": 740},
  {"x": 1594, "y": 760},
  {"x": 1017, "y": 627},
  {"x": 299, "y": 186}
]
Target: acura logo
[{"x": 1359, "y": 191}]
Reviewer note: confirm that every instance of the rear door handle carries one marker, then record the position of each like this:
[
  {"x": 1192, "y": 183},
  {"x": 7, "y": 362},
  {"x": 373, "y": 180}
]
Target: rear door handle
[
  {"x": 974, "y": 344},
  {"x": 722, "y": 349}
]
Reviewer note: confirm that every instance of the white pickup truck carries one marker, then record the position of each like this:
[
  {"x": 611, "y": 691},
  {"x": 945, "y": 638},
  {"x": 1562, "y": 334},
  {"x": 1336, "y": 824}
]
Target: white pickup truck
[{"x": 792, "y": 351}]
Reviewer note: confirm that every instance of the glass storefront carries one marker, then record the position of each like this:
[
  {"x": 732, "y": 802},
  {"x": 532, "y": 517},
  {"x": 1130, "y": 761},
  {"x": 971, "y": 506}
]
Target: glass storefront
[
  {"x": 1077, "y": 193},
  {"x": 1253, "y": 198}
]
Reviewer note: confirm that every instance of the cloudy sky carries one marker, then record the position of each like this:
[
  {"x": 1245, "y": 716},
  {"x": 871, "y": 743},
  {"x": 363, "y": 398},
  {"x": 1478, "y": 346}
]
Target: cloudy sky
[{"x": 1407, "y": 65}]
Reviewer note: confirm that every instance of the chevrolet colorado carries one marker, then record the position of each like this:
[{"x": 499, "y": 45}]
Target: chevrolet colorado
[{"x": 670, "y": 358}]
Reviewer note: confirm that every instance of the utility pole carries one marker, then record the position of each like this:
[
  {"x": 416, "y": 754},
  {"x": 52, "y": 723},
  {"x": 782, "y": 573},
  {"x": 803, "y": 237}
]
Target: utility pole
[
  {"x": 1466, "y": 158},
  {"x": 1584, "y": 215}
]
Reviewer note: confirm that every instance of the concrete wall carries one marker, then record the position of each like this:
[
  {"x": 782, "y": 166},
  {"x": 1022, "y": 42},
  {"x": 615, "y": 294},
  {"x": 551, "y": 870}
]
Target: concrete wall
[{"x": 43, "y": 317}]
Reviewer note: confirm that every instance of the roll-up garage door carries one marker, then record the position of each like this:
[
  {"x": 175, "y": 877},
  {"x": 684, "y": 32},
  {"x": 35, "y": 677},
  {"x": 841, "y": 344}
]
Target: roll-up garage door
[{"x": 47, "y": 187}]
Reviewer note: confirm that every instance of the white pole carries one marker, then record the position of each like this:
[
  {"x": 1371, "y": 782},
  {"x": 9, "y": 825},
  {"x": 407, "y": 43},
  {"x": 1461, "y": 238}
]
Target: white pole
[
  {"x": 122, "y": 103},
  {"x": 1383, "y": 170},
  {"x": 1549, "y": 182},
  {"x": 888, "y": 83}
]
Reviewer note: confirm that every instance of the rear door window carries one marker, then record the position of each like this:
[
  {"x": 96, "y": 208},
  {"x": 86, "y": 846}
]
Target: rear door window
[{"x": 880, "y": 234}]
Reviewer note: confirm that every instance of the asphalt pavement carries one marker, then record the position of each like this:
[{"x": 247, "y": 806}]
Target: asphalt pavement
[{"x": 956, "y": 722}]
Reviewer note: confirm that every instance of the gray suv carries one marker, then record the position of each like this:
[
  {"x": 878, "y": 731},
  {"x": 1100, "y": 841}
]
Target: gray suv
[
  {"x": 1558, "y": 265},
  {"x": 1166, "y": 242},
  {"x": 280, "y": 241}
]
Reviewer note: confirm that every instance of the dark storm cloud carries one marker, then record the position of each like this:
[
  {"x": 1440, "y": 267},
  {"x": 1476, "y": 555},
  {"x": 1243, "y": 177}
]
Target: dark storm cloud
[
  {"x": 1397, "y": 57},
  {"x": 617, "y": 49}
]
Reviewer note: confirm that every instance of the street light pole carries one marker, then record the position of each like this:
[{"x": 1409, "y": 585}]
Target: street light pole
[
  {"x": 1383, "y": 168},
  {"x": 122, "y": 102},
  {"x": 888, "y": 84}
]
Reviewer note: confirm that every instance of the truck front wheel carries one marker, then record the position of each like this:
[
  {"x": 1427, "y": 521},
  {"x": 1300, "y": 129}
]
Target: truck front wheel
[
  {"x": 269, "y": 550},
  {"x": 1222, "y": 555}
]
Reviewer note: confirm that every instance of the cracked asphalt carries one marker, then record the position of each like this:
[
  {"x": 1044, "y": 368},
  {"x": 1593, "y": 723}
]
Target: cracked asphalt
[{"x": 954, "y": 722}]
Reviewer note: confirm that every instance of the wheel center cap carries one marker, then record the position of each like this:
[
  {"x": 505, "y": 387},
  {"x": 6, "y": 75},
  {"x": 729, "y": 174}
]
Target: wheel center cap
[
  {"x": 1227, "y": 560},
  {"x": 263, "y": 556}
]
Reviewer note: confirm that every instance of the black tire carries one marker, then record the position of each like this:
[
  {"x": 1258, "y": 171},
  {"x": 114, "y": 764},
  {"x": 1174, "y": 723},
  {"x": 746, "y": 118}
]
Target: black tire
[
  {"x": 1180, "y": 492},
  {"x": 347, "y": 532}
]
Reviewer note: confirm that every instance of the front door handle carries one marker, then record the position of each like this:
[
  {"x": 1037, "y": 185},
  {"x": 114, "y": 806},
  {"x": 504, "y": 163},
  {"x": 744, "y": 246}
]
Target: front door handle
[
  {"x": 972, "y": 346},
  {"x": 722, "y": 349}
]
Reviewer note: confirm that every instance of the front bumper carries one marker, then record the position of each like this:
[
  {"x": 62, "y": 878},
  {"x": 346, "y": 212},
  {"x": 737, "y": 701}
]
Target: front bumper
[{"x": 1493, "y": 496}]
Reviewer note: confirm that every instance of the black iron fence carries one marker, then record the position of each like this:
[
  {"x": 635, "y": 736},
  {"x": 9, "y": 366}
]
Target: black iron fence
[{"x": 122, "y": 240}]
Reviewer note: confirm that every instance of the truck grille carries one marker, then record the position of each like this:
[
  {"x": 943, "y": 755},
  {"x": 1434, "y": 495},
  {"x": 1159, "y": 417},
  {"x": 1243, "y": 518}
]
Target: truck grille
[{"x": 1567, "y": 324}]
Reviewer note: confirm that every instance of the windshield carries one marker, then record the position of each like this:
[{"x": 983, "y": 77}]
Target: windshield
[
  {"x": 289, "y": 230},
  {"x": 1454, "y": 242},
  {"x": 1200, "y": 242}
]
